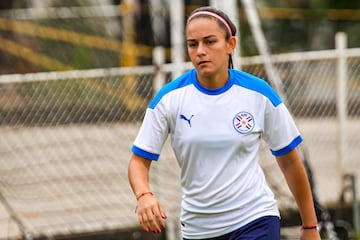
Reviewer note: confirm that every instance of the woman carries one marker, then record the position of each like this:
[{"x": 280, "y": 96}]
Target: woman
[{"x": 216, "y": 117}]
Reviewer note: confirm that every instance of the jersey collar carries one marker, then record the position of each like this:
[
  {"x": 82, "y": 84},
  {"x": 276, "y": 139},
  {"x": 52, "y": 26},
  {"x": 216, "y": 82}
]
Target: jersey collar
[{"x": 216, "y": 91}]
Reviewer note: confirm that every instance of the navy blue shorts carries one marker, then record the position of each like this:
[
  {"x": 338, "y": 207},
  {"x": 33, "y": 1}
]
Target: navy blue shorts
[{"x": 264, "y": 228}]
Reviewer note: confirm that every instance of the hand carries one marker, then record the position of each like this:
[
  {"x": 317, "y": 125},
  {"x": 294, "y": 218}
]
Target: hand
[
  {"x": 151, "y": 214},
  {"x": 310, "y": 234}
]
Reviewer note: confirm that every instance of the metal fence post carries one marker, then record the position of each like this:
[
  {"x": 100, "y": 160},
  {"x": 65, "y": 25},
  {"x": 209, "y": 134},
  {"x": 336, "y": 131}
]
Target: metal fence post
[
  {"x": 341, "y": 100},
  {"x": 159, "y": 60},
  {"x": 177, "y": 11}
]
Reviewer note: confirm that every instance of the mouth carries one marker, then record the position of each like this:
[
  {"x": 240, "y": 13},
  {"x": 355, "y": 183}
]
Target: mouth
[{"x": 202, "y": 63}]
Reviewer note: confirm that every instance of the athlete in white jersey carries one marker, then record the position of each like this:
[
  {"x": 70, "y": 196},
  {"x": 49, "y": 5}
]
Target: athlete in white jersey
[{"x": 216, "y": 118}]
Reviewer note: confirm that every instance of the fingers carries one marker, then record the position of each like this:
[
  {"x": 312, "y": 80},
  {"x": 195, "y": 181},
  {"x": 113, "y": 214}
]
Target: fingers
[
  {"x": 151, "y": 214},
  {"x": 162, "y": 212}
]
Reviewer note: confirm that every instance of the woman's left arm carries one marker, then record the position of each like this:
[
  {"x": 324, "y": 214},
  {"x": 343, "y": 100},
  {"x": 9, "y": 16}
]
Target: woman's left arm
[{"x": 293, "y": 169}]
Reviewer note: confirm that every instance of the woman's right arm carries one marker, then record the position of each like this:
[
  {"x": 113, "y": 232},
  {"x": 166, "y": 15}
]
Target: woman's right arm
[{"x": 150, "y": 212}]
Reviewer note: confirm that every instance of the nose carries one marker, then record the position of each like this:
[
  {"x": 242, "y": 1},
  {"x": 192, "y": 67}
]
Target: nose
[{"x": 201, "y": 50}]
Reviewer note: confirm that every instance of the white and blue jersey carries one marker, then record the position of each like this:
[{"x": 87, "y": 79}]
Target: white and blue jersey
[{"x": 215, "y": 135}]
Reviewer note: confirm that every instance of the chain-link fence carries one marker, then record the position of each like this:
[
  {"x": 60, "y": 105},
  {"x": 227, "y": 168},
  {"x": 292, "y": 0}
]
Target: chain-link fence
[{"x": 66, "y": 138}]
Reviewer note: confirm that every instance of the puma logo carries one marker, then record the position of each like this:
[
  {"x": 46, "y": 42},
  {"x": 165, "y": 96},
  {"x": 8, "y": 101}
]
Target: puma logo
[{"x": 186, "y": 119}]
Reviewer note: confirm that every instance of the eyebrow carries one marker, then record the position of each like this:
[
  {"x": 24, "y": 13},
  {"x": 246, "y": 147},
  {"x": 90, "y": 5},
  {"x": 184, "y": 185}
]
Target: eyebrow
[{"x": 206, "y": 37}]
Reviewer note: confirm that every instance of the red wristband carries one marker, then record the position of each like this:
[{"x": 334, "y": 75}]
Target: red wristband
[
  {"x": 143, "y": 194},
  {"x": 309, "y": 227}
]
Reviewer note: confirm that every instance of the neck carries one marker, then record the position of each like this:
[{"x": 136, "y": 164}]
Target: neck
[{"x": 213, "y": 81}]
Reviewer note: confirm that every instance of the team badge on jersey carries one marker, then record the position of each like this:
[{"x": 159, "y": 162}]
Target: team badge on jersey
[{"x": 243, "y": 122}]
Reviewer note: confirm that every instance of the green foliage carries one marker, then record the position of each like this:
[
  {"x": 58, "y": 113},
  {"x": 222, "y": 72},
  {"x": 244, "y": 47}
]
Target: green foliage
[
  {"x": 75, "y": 55},
  {"x": 311, "y": 28}
]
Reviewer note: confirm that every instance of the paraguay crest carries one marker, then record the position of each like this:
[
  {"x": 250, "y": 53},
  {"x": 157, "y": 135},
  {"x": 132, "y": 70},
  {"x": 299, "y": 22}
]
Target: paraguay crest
[{"x": 243, "y": 122}]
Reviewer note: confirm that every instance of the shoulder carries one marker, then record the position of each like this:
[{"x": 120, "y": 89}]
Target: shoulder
[
  {"x": 182, "y": 81},
  {"x": 251, "y": 82}
]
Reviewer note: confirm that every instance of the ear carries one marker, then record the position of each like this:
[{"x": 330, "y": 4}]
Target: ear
[{"x": 231, "y": 44}]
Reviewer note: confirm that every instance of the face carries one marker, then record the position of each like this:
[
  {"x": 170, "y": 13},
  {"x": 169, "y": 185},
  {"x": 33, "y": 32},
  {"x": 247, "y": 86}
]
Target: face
[{"x": 208, "y": 48}]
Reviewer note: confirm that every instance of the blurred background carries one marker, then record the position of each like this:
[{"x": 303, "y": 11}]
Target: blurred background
[{"x": 75, "y": 80}]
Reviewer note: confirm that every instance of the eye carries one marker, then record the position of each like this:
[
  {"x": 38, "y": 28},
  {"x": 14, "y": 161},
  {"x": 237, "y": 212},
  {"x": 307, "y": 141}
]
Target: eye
[
  {"x": 192, "y": 44},
  {"x": 210, "y": 41}
]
